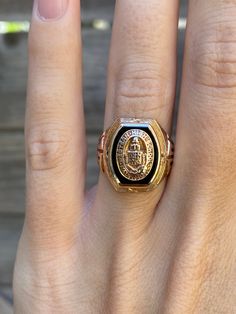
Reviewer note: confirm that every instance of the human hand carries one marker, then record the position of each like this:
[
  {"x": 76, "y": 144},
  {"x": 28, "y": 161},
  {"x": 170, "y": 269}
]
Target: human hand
[{"x": 171, "y": 250}]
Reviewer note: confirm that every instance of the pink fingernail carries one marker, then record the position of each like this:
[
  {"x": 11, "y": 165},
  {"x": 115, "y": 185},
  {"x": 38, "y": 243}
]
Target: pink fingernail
[{"x": 51, "y": 9}]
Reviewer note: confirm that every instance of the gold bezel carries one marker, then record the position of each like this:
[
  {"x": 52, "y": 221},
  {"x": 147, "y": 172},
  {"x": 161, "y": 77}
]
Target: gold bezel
[{"x": 161, "y": 141}]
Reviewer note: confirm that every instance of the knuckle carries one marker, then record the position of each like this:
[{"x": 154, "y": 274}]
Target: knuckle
[
  {"x": 47, "y": 148},
  {"x": 139, "y": 88},
  {"x": 213, "y": 56}
]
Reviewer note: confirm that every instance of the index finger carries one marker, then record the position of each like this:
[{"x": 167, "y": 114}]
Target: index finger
[{"x": 55, "y": 146}]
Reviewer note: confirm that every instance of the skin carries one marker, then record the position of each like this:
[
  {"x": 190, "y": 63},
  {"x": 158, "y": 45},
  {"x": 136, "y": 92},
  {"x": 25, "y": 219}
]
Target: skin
[{"x": 170, "y": 251}]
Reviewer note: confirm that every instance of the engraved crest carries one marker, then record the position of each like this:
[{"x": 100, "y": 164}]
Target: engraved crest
[{"x": 135, "y": 154}]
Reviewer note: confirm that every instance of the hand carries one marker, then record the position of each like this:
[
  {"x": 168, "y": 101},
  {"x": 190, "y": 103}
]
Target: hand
[{"x": 167, "y": 251}]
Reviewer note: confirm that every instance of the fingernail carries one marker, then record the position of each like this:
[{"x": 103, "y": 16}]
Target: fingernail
[{"x": 51, "y": 9}]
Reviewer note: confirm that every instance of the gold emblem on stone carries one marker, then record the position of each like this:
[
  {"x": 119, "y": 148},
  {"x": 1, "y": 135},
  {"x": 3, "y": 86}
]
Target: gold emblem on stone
[{"x": 135, "y": 154}]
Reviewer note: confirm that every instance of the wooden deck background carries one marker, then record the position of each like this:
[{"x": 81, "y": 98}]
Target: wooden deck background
[{"x": 13, "y": 74}]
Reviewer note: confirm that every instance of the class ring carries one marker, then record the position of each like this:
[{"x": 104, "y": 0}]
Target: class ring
[{"x": 135, "y": 154}]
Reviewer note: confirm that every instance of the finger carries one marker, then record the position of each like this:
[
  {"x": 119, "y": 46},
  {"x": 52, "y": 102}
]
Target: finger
[
  {"x": 205, "y": 160},
  {"x": 206, "y": 129},
  {"x": 142, "y": 66},
  {"x": 55, "y": 144},
  {"x": 141, "y": 81}
]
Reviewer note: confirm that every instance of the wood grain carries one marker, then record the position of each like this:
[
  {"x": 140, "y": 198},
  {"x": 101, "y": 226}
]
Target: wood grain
[
  {"x": 91, "y": 9},
  {"x": 10, "y": 229},
  {"x": 5, "y": 308},
  {"x": 21, "y": 10}
]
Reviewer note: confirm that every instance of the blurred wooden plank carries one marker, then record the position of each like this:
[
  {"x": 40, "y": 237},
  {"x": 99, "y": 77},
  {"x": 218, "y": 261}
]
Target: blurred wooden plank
[
  {"x": 12, "y": 170},
  {"x": 10, "y": 229},
  {"x": 6, "y": 302},
  {"x": 21, "y": 10},
  {"x": 6, "y": 293},
  {"x": 5, "y": 308},
  {"x": 183, "y": 8},
  {"x": 12, "y": 167},
  {"x": 15, "y": 9},
  {"x": 13, "y": 75}
]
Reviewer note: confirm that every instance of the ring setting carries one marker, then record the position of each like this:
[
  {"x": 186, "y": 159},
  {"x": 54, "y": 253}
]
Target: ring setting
[{"x": 135, "y": 154}]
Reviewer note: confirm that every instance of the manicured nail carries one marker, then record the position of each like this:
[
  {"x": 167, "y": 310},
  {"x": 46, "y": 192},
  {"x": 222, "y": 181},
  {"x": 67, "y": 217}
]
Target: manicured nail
[{"x": 51, "y": 9}]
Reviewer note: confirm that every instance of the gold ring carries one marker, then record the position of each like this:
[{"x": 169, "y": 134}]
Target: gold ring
[{"x": 135, "y": 154}]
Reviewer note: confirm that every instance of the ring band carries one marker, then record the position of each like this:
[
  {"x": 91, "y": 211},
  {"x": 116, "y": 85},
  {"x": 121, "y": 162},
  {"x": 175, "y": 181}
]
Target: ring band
[{"x": 135, "y": 154}]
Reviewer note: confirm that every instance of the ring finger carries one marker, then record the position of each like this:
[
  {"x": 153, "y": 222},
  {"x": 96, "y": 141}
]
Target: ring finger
[{"x": 141, "y": 84}]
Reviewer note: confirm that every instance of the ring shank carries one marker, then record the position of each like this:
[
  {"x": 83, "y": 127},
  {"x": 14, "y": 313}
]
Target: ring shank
[
  {"x": 100, "y": 150},
  {"x": 170, "y": 154}
]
